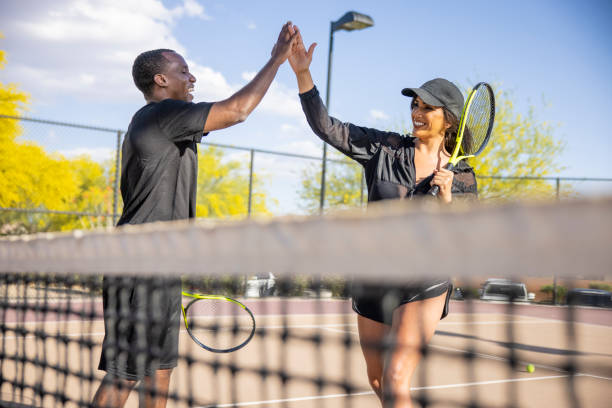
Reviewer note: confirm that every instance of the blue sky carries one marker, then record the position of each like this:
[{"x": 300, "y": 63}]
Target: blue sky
[{"x": 74, "y": 58}]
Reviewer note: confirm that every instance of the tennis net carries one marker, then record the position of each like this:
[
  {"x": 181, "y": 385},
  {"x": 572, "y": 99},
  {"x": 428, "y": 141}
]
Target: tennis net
[{"x": 530, "y": 316}]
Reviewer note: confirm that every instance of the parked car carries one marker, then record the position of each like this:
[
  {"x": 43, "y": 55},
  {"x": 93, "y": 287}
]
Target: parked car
[
  {"x": 505, "y": 290},
  {"x": 261, "y": 285},
  {"x": 589, "y": 297}
]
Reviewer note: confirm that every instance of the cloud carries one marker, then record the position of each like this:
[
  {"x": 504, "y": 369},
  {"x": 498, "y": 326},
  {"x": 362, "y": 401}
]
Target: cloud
[
  {"x": 192, "y": 9},
  {"x": 289, "y": 128},
  {"x": 98, "y": 154},
  {"x": 282, "y": 100},
  {"x": 279, "y": 100},
  {"x": 86, "y": 48},
  {"x": 305, "y": 147},
  {"x": 210, "y": 84},
  {"x": 378, "y": 114},
  {"x": 251, "y": 26}
]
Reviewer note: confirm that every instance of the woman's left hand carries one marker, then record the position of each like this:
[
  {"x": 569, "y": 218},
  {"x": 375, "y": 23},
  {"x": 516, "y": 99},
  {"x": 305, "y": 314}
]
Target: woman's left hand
[{"x": 444, "y": 179}]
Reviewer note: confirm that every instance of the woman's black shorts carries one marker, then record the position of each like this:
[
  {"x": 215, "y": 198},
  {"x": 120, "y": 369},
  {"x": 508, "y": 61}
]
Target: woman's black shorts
[
  {"x": 378, "y": 302},
  {"x": 141, "y": 325}
]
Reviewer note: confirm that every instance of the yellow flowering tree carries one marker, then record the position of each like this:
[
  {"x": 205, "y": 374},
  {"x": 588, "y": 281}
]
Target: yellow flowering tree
[
  {"x": 32, "y": 179},
  {"x": 223, "y": 187},
  {"x": 520, "y": 146}
]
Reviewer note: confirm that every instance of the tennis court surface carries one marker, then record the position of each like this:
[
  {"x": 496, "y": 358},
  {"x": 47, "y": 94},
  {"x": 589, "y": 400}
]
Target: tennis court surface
[{"x": 305, "y": 351}]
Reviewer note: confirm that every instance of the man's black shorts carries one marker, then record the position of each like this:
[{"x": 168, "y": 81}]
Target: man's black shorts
[
  {"x": 141, "y": 323},
  {"x": 378, "y": 302}
]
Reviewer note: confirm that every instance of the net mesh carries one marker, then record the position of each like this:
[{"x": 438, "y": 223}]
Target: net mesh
[
  {"x": 297, "y": 277},
  {"x": 479, "y": 120}
]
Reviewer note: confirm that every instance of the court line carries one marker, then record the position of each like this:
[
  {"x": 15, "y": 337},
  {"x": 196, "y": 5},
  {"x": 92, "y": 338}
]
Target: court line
[
  {"x": 295, "y": 399},
  {"x": 357, "y": 394},
  {"x": 493, "y": 357}
]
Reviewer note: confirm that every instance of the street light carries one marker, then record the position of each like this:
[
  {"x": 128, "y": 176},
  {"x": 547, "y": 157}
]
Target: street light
[{"x": 349, "y": 22}]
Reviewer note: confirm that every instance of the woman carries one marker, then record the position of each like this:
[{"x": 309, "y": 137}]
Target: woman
[{"x": 396, "y": 167}]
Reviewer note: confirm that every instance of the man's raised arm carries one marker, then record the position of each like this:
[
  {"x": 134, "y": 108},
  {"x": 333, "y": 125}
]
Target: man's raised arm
[{"x": 237, "y": 107}]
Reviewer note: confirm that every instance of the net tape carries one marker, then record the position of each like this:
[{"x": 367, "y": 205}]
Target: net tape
[{"x": 540, "y": 239}]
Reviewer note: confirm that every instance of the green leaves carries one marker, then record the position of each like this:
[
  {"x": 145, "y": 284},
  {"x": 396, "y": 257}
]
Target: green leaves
[
  {"x": 520, "y": 146},
  {"x": 223, "y": 187}
]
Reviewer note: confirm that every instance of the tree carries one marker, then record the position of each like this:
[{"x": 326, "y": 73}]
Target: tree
[
  {"x": 31, "y": 178},
  {"x": 223, "y": 187},
  {"x": 520, "y": 146},
  {"x": 343, "y": 185}
]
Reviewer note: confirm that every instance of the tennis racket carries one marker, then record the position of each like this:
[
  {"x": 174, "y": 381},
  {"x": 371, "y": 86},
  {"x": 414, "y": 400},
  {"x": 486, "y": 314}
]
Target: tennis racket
[
  {"x": 218, "y": 323},
  {"x": 475, "y": 127}
]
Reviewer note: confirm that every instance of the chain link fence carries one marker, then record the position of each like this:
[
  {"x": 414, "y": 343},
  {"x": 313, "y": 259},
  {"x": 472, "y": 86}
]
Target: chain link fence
[{"x": 278, "y": 176}]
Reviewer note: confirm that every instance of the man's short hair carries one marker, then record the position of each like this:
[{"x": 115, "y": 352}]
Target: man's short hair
[{"x": 146, "y": 66}]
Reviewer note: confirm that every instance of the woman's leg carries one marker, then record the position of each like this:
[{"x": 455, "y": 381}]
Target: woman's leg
[
  {"x": 371, "y": 337},
  {"x": 413, "y": 326}
]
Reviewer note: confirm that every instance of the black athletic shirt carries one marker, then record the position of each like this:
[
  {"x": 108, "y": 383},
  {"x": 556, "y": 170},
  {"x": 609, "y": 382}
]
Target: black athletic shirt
[
  {"x": 159, "y": 161},
  {"x": 387, "y": 157},
  {"x": 388, "y": 161}
]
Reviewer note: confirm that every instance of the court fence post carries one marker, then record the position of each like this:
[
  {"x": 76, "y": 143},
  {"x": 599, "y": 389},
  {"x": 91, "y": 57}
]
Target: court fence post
[
  {"x": 362, "y": 186},
  {"x": 554, "y": 299},
  {"x": 116, "y": 183},
  {"x": 250, "y": 209}
]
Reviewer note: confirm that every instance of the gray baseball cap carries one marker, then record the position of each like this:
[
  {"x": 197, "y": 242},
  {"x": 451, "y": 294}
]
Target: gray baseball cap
[{"x": 439, "y": 92}]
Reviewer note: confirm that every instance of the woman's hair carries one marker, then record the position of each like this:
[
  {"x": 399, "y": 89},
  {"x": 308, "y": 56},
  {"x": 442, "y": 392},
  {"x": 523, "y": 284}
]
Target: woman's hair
[{"x": 450, "y": 135}]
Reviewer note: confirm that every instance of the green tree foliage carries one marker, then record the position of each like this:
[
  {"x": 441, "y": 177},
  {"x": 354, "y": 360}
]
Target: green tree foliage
[
  {"x": 343, "y": 185},
  {"x": 521, "y": 146},
  {"x": 549, "y": 289},
  {"x": 223, "y": 187},
  {"x": 601, "y": 286},
  {"x": 34, "y": 179}
]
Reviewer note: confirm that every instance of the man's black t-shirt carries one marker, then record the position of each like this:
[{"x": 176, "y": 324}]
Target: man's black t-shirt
[
  {"x": 159, "y": 161},
  {"x": 158, "y": 183}
]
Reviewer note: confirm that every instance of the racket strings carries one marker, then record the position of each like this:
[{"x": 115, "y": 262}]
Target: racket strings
[
  {"x": 218, "y": 324},
  {"x": 478, "y": 121}
]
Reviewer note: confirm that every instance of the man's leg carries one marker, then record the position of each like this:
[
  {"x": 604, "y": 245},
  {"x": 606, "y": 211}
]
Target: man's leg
[
  {"x": 156, "y": 389},
  {"x": 113, "y": 392}
]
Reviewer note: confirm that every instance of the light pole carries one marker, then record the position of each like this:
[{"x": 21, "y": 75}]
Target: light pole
[{"x": 349, "y": 22}]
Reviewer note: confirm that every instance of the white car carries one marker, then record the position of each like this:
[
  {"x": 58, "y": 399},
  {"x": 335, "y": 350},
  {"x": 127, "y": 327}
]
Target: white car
[
  {"x": 261, "y": 286},
  {"x": 505, "y": 290}
]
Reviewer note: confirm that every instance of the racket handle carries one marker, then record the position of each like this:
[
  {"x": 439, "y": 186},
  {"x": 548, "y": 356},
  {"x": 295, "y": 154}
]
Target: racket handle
[{"x": 435, "y": 189}]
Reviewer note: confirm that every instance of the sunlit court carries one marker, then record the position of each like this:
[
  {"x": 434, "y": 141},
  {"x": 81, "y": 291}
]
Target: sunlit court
[{"x": 539, "y": 337}]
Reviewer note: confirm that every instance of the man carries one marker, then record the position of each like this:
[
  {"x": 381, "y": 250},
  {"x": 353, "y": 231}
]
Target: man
[{"x": 158, "y": 183}]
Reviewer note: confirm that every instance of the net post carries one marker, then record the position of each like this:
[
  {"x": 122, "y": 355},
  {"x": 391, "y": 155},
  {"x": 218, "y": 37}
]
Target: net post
[
  {"x": 251, "y": 183},
  {"x": 116, "y": 183}
]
